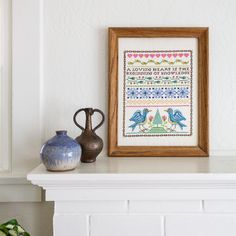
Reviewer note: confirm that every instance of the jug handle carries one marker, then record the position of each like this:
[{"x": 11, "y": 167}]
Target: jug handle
[
  {"x": 103, "y": 118},
  {"x": 75, "y": 121}
]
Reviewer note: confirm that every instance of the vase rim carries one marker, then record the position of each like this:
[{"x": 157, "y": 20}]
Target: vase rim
[{"x": 61, "y": 132}]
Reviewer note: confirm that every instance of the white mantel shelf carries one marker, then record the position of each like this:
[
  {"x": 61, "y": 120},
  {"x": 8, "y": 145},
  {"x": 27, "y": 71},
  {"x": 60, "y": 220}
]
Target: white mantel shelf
[
  {"x": 160, "y": 178},
  {"x": 143, "y": 196}
]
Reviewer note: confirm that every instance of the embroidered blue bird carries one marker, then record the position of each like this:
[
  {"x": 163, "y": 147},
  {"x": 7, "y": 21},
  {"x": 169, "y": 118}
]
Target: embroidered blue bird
[
  {"x": 138, "y": 118},
  {"x": 175, "y": 118}
]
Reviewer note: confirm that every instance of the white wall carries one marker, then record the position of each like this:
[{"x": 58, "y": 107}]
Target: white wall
[
  {"x": 75, "y": 56},
  {"x": 75, "y": 69}
]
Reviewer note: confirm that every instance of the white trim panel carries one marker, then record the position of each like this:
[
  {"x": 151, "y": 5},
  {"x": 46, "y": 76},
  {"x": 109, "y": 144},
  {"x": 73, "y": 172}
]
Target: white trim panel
[{"x": 5, "y": 84}]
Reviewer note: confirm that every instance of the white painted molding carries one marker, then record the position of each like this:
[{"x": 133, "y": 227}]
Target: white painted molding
[
  {"x": 115, "y": 195},
  {"x": 25, "y": 106},
  {"x": 21, "y": 88},
  {"x": 5, "y": 84},
  {"x": 135, "y": 179}
]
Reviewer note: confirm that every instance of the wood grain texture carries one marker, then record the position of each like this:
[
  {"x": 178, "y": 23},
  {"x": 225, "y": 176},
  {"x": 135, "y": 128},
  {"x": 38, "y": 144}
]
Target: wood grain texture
[{"x": 202, "y": 149}]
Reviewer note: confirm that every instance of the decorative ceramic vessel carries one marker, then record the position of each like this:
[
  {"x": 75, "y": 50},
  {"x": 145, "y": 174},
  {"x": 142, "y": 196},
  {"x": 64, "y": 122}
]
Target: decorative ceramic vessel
[
  {"x": 60, "y": 153},
  {"x": 90, "y": 142}
]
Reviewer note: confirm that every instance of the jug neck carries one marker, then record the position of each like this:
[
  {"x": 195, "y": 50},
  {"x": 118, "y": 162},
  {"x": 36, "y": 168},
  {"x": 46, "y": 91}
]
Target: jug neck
[{"x": 88, "y": 123}]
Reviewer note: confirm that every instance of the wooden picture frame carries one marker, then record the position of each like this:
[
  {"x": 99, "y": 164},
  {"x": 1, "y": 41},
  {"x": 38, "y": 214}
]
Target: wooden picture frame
[{"x": 120, "y": 39}]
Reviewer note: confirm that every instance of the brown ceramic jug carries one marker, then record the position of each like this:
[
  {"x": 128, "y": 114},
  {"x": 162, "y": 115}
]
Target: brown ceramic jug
[{"x": 91, "y": 144}]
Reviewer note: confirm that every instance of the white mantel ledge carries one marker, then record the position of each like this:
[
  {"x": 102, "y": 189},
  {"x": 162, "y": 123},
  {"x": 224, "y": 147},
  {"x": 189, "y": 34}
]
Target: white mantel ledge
[{"x": 141, "y": 178}]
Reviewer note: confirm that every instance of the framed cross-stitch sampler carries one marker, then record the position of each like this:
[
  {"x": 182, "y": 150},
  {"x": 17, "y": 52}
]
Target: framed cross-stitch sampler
[{"x": 158, "y": 92}]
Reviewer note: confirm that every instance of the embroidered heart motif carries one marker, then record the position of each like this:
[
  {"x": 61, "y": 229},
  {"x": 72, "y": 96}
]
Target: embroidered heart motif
[
  {"x": 175, "y": 55},
  {"x": 146, "y": 55},
  {"x": 186, "y": 54},
  {"x": 181, "y": 54},
  {"x": 135, "y": 55},
  {"x": 152, "y": 55},
  {"x": 140, "y": 55},
  {"x": 157, "y": 55},
  {"x": 129, "y": 55},
  {"x": 169, "y": 55},
  {"x": 163, "y": 55}
]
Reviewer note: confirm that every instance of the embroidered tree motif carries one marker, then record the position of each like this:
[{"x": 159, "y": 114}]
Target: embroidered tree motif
[{"x": 157, "y": 119}]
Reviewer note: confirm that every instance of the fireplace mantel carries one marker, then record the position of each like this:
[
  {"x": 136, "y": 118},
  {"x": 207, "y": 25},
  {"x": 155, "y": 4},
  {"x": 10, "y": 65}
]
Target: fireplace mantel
[{"x": 163, "y": 192}]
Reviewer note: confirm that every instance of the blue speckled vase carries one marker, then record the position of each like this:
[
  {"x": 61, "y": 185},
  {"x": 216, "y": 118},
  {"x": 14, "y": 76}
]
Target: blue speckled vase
[{"x": 60, "y": 153}]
